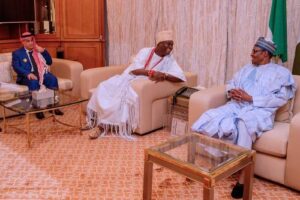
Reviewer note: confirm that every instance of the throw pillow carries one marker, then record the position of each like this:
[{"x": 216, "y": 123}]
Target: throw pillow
[
  {"x": 284, "y": 113},
  {"x": 5, "y": 72}
]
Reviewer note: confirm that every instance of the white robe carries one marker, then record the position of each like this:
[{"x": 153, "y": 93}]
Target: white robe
[
  {"x": 271, "y": 86},
  {"x": 116, "y": 104}
]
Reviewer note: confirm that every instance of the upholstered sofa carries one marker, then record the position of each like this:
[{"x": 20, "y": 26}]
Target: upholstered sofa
[
  {"x": 67, "y": 72},
  {"x": 277, "y": 150},
  {"x": 153, "y": 96}
]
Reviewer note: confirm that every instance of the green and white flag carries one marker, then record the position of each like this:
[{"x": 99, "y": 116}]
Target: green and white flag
[{"x": 277, "y": 31}]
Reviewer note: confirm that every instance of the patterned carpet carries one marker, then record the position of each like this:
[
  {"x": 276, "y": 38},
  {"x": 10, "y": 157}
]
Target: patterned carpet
[{"x": 62, "y": 164}]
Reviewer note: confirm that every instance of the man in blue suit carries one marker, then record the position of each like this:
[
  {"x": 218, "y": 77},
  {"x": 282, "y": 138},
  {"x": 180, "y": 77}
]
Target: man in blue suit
[{"x": 31, "y": 62}]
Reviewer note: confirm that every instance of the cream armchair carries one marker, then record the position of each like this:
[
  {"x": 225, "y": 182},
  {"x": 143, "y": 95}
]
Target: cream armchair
[
  {"x": 277, "y": 150},
  {"x": 153, "y": 96}
]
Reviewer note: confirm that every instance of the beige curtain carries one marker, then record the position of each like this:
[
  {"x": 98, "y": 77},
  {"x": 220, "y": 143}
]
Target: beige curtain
[{"x": 213, "y": 38}]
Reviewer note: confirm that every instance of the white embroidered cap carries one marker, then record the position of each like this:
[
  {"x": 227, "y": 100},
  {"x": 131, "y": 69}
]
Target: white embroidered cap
[{"x": 164, "y": 36}]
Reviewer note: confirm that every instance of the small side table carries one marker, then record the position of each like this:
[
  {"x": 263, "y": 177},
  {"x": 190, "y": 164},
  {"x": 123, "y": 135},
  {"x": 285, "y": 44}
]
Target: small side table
[
  {"x": 202, "y": 159},
  {"x": 180, "y": 108}
]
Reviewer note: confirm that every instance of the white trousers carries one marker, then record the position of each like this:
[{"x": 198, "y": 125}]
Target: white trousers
[{"x": 244, "y": 139}]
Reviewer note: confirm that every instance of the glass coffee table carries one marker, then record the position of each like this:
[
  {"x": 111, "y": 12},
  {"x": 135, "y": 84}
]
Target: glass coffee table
[
  {"x": 22, "y": 103},
  {"x": 202, "y": 159}
]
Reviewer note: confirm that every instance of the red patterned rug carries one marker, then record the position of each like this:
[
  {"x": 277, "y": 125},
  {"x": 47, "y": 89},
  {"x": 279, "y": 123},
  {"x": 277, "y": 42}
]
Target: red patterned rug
[{"x": 62, "y": 164}]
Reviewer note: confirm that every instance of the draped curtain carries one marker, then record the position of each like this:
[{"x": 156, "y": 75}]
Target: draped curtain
[{"x": 213, "y": 38}]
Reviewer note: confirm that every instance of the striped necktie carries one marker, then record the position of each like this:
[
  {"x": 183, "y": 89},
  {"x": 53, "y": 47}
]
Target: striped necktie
[{"x": 34, "y": 65}]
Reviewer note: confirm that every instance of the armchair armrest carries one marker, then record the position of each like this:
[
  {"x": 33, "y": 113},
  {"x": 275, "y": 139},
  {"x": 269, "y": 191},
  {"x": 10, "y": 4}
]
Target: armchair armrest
[
  {"x": 149, "y": 91},
  {"x": 292, "y": 176},
  {"x": 205, "y": 99},
  {"x": 191, "y": 79},
  {"x": 91, "y": 78},
  {"x": 68, "y": 69}
]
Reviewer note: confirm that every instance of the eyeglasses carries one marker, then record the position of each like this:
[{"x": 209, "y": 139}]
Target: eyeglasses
[{"x": 254, "y": 51}]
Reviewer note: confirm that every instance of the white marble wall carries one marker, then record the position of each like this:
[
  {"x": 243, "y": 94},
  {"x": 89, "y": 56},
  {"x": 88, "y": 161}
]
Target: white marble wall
[{"x": 213, "y": 38}]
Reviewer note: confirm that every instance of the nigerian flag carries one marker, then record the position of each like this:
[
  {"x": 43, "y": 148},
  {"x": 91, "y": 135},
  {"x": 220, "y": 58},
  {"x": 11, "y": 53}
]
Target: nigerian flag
[{"x": 277, "y": 28}]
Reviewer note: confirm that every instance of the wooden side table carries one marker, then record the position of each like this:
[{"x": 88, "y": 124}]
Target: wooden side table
[{"x": 202, "y": 159}]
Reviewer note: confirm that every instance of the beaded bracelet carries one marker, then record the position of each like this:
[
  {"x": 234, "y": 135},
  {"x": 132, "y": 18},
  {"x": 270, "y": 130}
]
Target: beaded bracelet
[
  {"x": 165, "y": 76},
  {"x": 150, "y": 73}
]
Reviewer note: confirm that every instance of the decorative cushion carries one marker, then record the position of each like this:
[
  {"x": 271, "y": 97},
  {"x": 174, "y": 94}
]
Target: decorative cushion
[
  {"x": 4, "y": 57},
  {"x": 284, "y": 113},
  {"x": 5, "y": 72}
]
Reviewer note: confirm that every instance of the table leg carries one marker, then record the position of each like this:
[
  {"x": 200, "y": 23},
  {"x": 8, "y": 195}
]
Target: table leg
[
  {"x": 191, "y": 151},
  {"x": 53, "y": 116},
  {"x": 80, "y": 113},
  {"x": 248, "y": 182},
  {"x": 208, "y": 193},
  {"x": 148, "y": 169},
  {"x": 28, "y": 130},
  {"x": 4, "y": 120}
]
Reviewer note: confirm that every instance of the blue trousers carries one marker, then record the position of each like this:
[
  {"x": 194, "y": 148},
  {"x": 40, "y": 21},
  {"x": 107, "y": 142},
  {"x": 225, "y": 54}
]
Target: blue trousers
[{"x": 50, "y": 81}]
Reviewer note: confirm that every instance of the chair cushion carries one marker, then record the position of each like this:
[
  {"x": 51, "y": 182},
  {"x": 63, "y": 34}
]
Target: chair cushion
[
  {"x": 64, "y": 84},
  {"x": 5, "y": 72},
  {"x": 275, "y": 141},
  {"x": 8, "y": 90},
  {"x": 284, "y": 113}
]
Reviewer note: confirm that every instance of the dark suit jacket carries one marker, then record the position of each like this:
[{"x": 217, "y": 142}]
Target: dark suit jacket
[{"x": 22, "y": 65}]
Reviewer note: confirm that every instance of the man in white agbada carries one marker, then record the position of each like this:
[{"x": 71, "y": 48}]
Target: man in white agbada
[
  {"x": 256, "y": 92},
  {"x": 115, "y": 105}
]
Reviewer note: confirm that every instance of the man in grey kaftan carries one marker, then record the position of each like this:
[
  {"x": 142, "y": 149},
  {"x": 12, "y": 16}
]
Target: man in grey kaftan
[
  {"x": 268, "y": 87},
  {"x": 256, "y": 91}
]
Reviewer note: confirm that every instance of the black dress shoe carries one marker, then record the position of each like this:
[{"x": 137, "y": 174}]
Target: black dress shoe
[
  {"x": 57, "y": 112},
  {"x": 237, "y": 191},
  {"x": 40, "y": 115}
]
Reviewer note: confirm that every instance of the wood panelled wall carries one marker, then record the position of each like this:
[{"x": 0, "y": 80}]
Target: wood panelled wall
[
  {"x": 79, "y": 32},
  {"x": 212, "y": 38},
  {"x": 81, "y": 19},
  {"x": 83, "y": 31}
]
